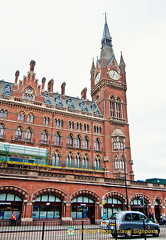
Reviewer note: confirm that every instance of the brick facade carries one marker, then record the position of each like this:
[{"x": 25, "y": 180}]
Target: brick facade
[{"x": 88, "y": 158}]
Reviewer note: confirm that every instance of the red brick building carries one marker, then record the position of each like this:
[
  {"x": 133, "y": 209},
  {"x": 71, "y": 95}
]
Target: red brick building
[{"x": 68, "y": 158}]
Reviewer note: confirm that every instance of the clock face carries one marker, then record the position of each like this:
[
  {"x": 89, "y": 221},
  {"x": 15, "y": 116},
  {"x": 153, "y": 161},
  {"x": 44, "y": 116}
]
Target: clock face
[
  {"x": 97, "y": 77},
  {"x": 114, "y": 75}
]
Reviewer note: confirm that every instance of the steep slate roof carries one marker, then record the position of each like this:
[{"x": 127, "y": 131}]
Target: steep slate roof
[{"x": 56, "y": 100}]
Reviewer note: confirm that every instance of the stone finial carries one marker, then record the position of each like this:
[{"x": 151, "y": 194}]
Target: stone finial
[
  {"x": 43, "y": 82},
  {"x": 32, "y": 65},
  {"x": 83, "y": 93},
  {"x": 63, "y": 88},
  {"x": 16, "y": 76}
]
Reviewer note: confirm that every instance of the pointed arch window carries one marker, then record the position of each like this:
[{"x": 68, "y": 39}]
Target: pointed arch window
[
  {"x": 58, "y": 123},
  {"x": 3, "y": 113},
  {"x": 46, "y": 121},
  {"x": 70, "y": 141},
  {"x": 118, "y": 108},
  {"x": 69, "y": 160},
  {"x": 97, "y": 162},
  {"x": 30, "y": 118},
  {"x": 56, "y": 159},
  {"x": 77, "y": 161},
  {"x": 44, "y": 137},
  {"x": 118, "y": 143},
  {"x": 28, "y": 135},
  {"x": 18, "y": 134},
  {"x": 21, "y": 116},
  {"x": 2, "y": 131},
  {"x": 57, "y": 139},
  {"x": 112, "y": 107},
  {"x": 97, "y": 145},
  {"x": 85, "y": 143},
  {"x": 118, "y": 163},
  {"x": 78, "y": 142},
  {"x": 85, "y": 162}
]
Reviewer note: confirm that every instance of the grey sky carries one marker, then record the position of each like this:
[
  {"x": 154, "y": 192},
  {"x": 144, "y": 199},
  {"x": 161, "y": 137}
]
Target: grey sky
[{"x": 63, "y": 37}]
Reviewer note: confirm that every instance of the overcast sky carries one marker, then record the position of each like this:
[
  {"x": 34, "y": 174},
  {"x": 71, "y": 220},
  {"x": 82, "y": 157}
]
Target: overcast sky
[{"x": 63, "y": 37}]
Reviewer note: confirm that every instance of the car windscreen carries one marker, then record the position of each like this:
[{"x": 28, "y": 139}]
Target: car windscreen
[{"x": 116, "y": 216}]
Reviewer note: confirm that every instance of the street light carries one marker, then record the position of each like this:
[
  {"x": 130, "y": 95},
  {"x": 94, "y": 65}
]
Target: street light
[{"x": 126, "y": 188}]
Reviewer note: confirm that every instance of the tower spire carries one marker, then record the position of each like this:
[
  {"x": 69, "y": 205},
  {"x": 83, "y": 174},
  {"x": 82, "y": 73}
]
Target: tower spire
[{"x": 106, "y": 43}]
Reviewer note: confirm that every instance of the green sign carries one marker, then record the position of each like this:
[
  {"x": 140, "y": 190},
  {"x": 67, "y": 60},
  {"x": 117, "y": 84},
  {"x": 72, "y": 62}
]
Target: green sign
[{"x": 70, "y": 231}]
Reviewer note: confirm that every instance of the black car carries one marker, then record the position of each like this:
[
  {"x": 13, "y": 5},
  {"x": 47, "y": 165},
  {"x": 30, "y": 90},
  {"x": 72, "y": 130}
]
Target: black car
[{"x": 128, "y": 223}]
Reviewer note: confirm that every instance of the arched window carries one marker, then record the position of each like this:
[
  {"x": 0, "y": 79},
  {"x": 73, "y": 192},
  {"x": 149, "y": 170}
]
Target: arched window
[
  {"x": 86, "y": 127},
  {"x": 79, "y": 126},
  {"x": 28, "y": 135},
  {"x": 71, "y": 125},
  {"x": 18, "y": 134},
  {"x": 70, "y": 141},
  {"x": 112, "y": 107},
  {"x": 85, "y": 143},
  {"x": 97, "y": 162},
  {"x": 57, "y": 139},
  {"x": 20, "y": 116},
  {"x": 118, "y": 163},
  {"x": 2, "y": 131},
  {"x": 118, "y": 143},
  {"x": 56, "y": 159},
  {"x": 85, "y": 163},
  {"x": 3, "y": 113},
  {"x": 97, "y": 145},
  {"x": 69, "y": 160},
  {"x": 78, "y": 142},
  {"x": 47, "y": 206},
  {"x": 44, "y": 137},
  {"x": 46, "y": 121},
  {"x": 30, "y": 118},
  {"x": 58, "y": 123},
  {"x": 118, "y": 108},
  {"x": 77, "y": 161}
]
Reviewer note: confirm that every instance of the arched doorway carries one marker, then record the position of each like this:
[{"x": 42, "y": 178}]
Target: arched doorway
[
  {"x": 113, "y": 202},
  {"x": 10, "y": 203},
  {"x": 83, "y": 205},
  {"x": 139, "y": 202},
  {"x": 11, "y": 200},
  {"x": 48, "y": 204},
  {"x": 157, "y": 204}
]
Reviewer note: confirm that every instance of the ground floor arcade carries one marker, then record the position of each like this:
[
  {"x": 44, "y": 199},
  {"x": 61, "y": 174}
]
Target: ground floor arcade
[{"x": 34, "y": 201}]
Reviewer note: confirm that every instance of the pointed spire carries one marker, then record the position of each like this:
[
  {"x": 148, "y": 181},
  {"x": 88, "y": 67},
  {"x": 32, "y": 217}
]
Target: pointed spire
[
  {"x": 122, "y": 60},
  {"x": 106, "y": 34},
  {"x": 122, "y": 64}
]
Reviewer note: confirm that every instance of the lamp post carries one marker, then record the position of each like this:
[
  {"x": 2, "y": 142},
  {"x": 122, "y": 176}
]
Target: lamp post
[{"x": 126, "y": 188}]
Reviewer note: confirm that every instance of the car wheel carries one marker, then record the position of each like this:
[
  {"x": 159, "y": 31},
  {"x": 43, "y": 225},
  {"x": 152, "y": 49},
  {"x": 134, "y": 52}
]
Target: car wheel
[
  {"x": 156, "y": 234},
  {"x": 128, "y": 233}
]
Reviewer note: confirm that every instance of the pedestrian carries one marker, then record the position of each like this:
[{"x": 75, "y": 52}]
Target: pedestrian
[
  {"x": 13, "y": 219},
  {"x": 104, "y": 216},
  {"x": 151, "y": 217}
]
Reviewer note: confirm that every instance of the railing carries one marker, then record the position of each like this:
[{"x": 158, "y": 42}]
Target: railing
[{"x": 60, "y": 230}]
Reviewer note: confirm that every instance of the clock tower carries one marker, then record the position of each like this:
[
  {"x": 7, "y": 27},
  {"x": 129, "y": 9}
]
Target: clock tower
[{"x": 108, "y": 90}]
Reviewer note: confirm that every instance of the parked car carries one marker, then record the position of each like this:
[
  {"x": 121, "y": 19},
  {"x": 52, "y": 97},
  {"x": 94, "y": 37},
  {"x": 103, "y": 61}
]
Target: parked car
[
  {"x": 104, "y": 223},
  {"x": 128, "y": 223}
]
